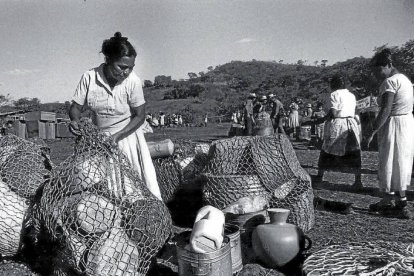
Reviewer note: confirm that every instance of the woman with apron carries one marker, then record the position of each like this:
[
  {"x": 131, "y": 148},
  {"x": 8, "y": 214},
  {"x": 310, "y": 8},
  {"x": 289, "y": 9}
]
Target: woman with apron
[
  {"x": 341, "y": 150},
  {"x": 113, "y": 92}
]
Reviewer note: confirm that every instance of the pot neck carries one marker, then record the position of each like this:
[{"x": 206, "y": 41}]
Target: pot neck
[{"x": 278, "y": 217}]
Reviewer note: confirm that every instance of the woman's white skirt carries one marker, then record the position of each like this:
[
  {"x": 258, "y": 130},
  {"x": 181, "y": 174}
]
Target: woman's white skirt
[
  {"x": 396, "y": 153},
  {"x": 136, "y": 149},
  {"x": 293, "y": 119}
]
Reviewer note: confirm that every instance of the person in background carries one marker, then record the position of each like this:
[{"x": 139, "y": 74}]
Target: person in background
[
  {"x": 395, "y": 127},
  {"x": 239, "y": 117},
  {"x": 248, "y": 114},
  {"x": 162, "y": 119},
  {"x": 341, "y": 148},
  {"x": 308, "y": 110},
  {"x": 293, "y": 119},
  {"x": 276, "y": 114},
  {"x": 155, "y": 122},
  {"x": 260, "y": 105},
  {"x": 113, "y": 92},
  {"x": 234, "y": 117},
  {"x": 180, "y": 120},
  {"x": 148, "y": 117},
  {"x": 318, "y": 118},
  {"x": 205, "y": 120}
]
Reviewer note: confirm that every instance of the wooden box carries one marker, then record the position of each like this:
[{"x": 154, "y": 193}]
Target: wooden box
[
  {"x": 19, "y": 129},
  {"x": 50, "y": 130},
  {"x": 62, "y": 131},
  {"x": 40, "y": 116},
  {"x": 32, "y": 128}
]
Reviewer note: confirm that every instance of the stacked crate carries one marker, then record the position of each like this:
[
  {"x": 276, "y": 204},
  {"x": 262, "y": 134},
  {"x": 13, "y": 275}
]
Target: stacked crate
[
  {"x": 41, "y": 124},
  {"x": 62, "y": 128}
]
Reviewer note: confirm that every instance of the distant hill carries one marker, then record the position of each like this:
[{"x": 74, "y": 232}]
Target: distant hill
[{"x": 223, "y": 89}]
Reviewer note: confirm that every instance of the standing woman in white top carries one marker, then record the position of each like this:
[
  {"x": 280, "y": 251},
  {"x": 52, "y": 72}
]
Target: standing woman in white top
[
  {"x": 114, "y": 94},
  {"x": 341, "y": 148},
  {"x": 395, "y": 127}
]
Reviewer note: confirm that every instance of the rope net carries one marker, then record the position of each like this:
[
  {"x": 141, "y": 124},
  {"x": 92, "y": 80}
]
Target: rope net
[
  {"x": 364, "y": 258},
  {"x": 24, "y": 167},
  {"x": 181, "y": 169},
  {"x": 95, "y": 216},
  {"x": 264, "y": 167}
]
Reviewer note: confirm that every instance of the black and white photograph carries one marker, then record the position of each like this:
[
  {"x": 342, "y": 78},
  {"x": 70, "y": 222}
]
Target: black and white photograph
[{"x": 206, "y": 137}]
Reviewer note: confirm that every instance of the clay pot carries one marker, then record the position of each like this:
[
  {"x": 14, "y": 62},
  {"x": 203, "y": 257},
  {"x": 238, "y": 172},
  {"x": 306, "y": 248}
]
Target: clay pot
[{"x": 277, "y": 244}]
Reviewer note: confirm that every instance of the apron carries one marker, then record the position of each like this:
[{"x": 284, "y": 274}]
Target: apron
[{"x": 110, "y": 110}]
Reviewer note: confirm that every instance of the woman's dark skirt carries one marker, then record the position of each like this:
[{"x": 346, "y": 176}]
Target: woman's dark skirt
[{"x": 349, "y": 163}]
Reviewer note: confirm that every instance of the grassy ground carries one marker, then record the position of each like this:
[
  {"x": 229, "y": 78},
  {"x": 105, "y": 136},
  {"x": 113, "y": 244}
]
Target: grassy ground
[{"x": 332, "y": 224}]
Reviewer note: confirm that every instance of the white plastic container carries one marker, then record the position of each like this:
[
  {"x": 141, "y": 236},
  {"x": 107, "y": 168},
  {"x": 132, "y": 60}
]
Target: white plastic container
[{"x": 208, "y": 230}]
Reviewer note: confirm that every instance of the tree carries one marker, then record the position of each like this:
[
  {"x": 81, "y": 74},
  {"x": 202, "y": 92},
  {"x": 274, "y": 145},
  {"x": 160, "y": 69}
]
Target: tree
[
  {"x": 28, "y": 104},
  {"x": 195, "y": 90},
  {"x": 210, "y": 68},
  {"x": 300, "y": 62},
  {"x": 324, "y": 62},
  {"x": 162, "y": 81},
  {"x": 147, "y": 83},
  {"x": 4, "y": 100},
  {"x": 192, "y": 75}
]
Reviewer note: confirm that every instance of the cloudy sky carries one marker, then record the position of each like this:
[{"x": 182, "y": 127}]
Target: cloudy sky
[{"x": 46, "y": 45}]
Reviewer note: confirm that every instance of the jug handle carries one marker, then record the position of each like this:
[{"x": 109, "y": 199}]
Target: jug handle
[{"x": 309, "y": 243}]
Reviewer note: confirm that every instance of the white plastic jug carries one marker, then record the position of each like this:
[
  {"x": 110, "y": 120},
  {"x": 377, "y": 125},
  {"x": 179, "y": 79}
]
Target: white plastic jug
[{"x": 208, "y": 230}]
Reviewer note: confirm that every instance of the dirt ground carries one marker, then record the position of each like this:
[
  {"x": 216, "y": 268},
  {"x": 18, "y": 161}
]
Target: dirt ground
[{"x": 334, "y": 224}]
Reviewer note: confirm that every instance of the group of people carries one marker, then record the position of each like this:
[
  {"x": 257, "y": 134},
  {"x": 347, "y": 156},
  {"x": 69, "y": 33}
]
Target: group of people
[
  {"x": 283, "y": 121},
  {"x": 266, "y": 108},
  {"x": 164, "y": 120},
  {"x": 393, "y": 125},
  {"x": 339, "y": 130},
  {"x": 114, "y": 93}
]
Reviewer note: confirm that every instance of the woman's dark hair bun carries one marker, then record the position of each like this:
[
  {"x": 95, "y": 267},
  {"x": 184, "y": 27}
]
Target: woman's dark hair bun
[
  {"x": 116, "y": 47},
  {"x": 118, "y": 36}
]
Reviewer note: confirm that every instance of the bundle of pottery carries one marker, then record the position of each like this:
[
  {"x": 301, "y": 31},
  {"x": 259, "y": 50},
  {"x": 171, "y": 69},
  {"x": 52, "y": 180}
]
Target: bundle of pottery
[
  {"x": 262, "y": 170},
  {"x": 183, "y": 166},
  {"x": 24, "y": 167},
  {"x": 370, "y": 258},
  {"x": 95, "y": 216}
]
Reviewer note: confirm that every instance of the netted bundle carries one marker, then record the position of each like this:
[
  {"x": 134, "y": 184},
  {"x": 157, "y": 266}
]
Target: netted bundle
[
  {"x": 96, "y": 215},
  {"x": 264, "y": 166},
  {"x": 185, "y": 165},
  {"x": 24, "y": 167},
  {"x": 368, "y": 259}
]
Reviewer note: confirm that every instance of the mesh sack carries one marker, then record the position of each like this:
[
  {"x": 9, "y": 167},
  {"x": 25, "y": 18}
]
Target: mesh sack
[
  {"x": 96, "y": 215},
  {"x": 168, "y": 176},
  {"x": 24, "y": 166},
  {"x": 237, "y": 187},
  {"x": 184, "y": 166},
  {"x": 365, "y": 258},
  {"x": 269, "y": 159}
]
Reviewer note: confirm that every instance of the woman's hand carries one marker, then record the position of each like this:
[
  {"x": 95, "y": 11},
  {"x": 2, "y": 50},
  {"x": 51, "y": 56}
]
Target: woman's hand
[
  {"x": 116, "y": 138},
  {"x": 368, "y": 139},
  {"x": 74, "y": 128}
]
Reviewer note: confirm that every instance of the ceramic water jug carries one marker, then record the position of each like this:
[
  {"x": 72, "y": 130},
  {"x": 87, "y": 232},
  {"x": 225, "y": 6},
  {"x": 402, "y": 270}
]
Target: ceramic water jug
[{"x": 278, "y": 243}]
